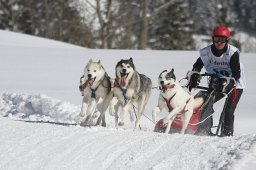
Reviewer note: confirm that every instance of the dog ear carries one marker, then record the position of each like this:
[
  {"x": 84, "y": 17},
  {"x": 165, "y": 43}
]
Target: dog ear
[
  {"x": 90, "y": 61},
  {"x": 171, "y": 74},
  {"x": 162, "y": 73},
  {"x": 130, "y": 60},
  {"x": 99, "y": 62}
]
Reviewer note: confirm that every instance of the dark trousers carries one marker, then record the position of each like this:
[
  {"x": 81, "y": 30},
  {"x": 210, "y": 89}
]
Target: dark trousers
[{"x": 207, "y": 109}]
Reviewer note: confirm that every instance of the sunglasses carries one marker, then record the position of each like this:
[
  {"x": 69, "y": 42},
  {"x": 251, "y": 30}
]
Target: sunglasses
[{"x": 220, "y": 39}]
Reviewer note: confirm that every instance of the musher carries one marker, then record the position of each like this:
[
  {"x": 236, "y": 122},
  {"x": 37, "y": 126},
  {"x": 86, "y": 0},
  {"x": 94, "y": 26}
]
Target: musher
[{"x": 221, "y": 59}]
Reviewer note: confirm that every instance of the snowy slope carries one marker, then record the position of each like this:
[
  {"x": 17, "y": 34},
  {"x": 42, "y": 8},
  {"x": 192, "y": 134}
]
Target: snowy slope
[{"x": 40, "y": 102}]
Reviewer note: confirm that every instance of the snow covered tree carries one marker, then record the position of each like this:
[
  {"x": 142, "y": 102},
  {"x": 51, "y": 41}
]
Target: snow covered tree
[
  {"x": 51, "y": 19},
  {"x": 9, "y": 14},
  {"x": 123, "y": 24},
  {"x": 246, "y": 15},
  {"x": 172, "y": 26}
]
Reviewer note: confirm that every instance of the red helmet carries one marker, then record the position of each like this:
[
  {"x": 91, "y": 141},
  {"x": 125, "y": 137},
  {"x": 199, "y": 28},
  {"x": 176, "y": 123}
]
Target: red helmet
[{"x": 221, "y": 31}]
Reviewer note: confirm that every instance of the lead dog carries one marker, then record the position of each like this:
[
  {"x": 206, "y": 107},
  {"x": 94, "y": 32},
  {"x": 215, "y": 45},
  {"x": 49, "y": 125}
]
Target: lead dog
[
  {"x": 130, "y": 87},
  {"x": 174, "y": 99},
  {"x": 95, "y": 86}
]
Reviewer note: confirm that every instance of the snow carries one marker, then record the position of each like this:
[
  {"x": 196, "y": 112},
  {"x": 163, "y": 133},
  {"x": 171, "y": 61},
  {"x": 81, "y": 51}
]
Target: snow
[
  {"x": 40, "y": 103},
  {"x": 248, "y": 43}
]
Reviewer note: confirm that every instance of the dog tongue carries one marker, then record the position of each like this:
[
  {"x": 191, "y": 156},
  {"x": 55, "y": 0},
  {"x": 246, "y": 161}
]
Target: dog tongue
[{"x": 123, "y": 83}]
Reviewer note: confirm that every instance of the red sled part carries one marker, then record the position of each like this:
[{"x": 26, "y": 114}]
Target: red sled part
[{"x": 177, "y": 125}]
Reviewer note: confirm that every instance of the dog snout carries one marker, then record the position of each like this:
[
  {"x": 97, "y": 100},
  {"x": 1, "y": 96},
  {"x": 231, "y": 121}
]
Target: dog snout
[
  {"x": 89, "y": 76},
  {"x": 124, "y": 70},
  {"x": 162, "y": 82}
]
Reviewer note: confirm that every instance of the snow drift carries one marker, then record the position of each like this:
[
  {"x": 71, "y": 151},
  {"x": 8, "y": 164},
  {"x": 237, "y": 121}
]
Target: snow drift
[{"x": 38, "y": 108}]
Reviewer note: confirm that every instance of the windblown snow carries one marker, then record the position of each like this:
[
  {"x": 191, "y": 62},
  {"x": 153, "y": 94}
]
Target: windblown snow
[{"x": 39, "y": 128}]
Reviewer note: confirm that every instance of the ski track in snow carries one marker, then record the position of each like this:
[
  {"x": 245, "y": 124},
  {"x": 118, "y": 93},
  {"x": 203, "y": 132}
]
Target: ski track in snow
[{"x": 43, "y": 137}]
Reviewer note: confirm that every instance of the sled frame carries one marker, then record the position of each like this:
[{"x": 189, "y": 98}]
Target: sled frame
[{"x": 211, "y": 96}]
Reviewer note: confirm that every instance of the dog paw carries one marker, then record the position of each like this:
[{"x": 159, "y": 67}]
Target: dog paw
[
  {"x": 111, "y": 114},
  {"x": 165, "y": 121},
  {"x": 154, "y": 121},
  {"x": 81, "y": 114},
  {"x": 114, "y": 101},
  {"x": 96, "y": 115},
  {"x": 81, "y": 121}
]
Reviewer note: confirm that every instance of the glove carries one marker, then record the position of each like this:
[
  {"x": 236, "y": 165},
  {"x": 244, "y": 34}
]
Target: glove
[
  {"x": 225, "y": 84},
  {"x": 194, "y": 78}
]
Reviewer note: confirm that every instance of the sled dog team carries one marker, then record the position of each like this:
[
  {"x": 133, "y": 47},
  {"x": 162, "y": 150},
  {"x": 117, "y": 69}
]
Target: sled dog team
[{"x": 129, "y": 87}]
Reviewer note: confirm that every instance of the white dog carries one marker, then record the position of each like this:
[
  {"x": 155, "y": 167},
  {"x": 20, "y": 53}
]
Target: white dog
[
  {"x": 95, "y": 86},
  {"x": 174, "y": 99},
  {"x": 130, "y": 87}
]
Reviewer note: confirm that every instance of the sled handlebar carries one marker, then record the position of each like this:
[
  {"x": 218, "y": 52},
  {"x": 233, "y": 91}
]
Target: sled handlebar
[
  {"x": 203, "y": 88},
  {"x": 208, "y": 74},
  {"x": 204, "y": 75}
]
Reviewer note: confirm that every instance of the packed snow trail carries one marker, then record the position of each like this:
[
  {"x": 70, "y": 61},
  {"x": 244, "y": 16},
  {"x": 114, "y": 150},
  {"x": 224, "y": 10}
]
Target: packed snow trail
[
  {"x": 47, "y": 146},
  {"x": 38, "y": 136}
]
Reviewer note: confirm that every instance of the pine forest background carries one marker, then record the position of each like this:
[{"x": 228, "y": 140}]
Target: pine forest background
[{"x": 132, "y": 24}]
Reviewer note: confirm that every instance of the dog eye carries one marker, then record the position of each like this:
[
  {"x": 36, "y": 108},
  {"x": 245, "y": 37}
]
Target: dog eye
[
  {"x": 94, "y": 70},
  {"x": 128, "y": 66}
]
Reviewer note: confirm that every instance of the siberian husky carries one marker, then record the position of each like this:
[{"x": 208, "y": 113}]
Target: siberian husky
[
  {"x": 95, "y": 86},
  {"x": 174, "y": 99},
  {"x": 130, "y": 87}
]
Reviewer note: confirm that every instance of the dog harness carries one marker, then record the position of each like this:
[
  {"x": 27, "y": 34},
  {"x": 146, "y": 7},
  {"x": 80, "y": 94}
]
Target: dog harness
[
  {"x": 144, "y": 83},
  {"x": 116, "y": 84},
  {"x": 93, "y": 91},
  {"x": 168, "y": 103}
]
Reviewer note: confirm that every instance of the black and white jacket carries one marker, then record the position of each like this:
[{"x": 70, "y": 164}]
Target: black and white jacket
[{"x": 226, "y": 63}]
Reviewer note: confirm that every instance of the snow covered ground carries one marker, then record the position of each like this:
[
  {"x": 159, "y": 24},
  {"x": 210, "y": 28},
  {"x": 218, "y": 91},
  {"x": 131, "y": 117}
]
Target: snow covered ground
[{"x": 40, "y": 102}]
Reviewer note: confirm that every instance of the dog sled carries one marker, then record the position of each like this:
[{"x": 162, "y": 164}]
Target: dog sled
[{"x": 223, "y": 85}]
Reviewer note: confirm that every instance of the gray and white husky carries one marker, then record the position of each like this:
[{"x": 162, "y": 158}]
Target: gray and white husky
[
  {"x": 174, "y": 99},
  {"x": 95, "y": 86},
  {"x": 130, "y": 87}
]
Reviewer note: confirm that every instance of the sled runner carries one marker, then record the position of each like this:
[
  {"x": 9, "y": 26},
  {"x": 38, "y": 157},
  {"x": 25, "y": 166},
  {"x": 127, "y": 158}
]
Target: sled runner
[{"x": 198, "y": 121}]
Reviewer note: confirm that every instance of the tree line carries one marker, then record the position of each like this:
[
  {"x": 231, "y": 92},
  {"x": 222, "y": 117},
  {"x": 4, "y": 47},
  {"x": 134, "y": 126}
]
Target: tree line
[{"x": 122, "y": 24}]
